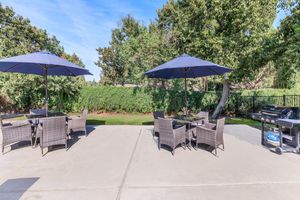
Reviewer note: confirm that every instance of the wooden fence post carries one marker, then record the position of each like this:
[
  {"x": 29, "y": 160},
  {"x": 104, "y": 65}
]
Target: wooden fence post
[{"x": 283, "y": 100}]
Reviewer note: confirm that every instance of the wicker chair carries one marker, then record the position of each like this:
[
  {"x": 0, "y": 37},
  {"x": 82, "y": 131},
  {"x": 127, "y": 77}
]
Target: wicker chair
[
  {"x": 53, "y": 132},
  {"x": 169, "y": 136},
  {"x": 84, "y": 114},
  {"x": 78, "y": 123},
  {"x": 204, "y": 115},
  {"x": 156, "y": 115},
  {"x": 15, "y": 132},
  {"x": 211, "y": 134}
]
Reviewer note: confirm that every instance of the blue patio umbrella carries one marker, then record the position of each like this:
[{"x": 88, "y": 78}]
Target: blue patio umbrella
[
  {"x": 186, "y": 66},
  {"x": 44, "y": 64}
]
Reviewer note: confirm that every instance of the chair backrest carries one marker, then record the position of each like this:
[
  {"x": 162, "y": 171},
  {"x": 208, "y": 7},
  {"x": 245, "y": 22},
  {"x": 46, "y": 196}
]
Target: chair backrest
[
  {"x": 158, "y": 114},
  {"x": 37, "y": 111},
  {"x": 185, "y": 111},
  {"x": 54, "y": 129},
  {"x": 204, "y": 115},
  {"x": 84, "y": 113},
  {"x": 220, "y": 127},
  {"x": 165, "y": 126}
]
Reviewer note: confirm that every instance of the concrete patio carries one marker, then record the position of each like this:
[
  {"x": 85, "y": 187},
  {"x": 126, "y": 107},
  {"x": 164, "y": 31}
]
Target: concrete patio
[{"x": 123, "y": 162}]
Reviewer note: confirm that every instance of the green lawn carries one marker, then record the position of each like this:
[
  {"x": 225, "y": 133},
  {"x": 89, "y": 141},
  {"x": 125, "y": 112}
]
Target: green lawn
[
  {"x": 107, "y": 119},
  {"x": 120, "y": 119},
  {"x": 141, "y": 119},
  {"x": 244, "y": 121},
  {"x": 147, "y": 119},
  {"x": 249, "y": 122}
]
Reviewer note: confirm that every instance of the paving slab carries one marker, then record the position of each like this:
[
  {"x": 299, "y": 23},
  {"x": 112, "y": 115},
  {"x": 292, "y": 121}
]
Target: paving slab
[
  {"x": 244, "y": 168},
  {"x": 93, "y": 167},
  {"x": 123, "y": 162}
]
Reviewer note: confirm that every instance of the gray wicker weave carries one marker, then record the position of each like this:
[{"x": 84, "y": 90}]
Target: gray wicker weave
[
  {"x": 204, "y": 117},
  {"x": 15, "y": 132},
  {"x": 156, "y": 115},
  {"x": 84, "y": 114},
  {"x": 207, "y": 135},
  {"x": 53, "y": 132},
  {"x": 78, "y": 123},
  {"x": 169, "y": 136}
]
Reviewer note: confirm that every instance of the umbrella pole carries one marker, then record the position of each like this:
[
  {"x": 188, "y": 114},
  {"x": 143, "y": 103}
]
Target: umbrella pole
[
  {"x": 185, "y": 95},
  {"x": 46, "y": 90}
]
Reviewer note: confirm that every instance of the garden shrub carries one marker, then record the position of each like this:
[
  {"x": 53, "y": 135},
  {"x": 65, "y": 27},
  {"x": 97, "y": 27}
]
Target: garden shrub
[{"x": 145, "y": 100}]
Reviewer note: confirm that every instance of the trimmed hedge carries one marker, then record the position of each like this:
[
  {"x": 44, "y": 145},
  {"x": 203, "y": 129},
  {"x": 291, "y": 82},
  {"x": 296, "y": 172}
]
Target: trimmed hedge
[
  {"x": 122, "y": 99},
  {"x": 143, "y": 100},
  {"x": 114, "y": 99}
]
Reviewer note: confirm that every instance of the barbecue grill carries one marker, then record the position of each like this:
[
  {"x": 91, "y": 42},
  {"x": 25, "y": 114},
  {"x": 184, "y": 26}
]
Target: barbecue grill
[{"x": 271, "y": 114}]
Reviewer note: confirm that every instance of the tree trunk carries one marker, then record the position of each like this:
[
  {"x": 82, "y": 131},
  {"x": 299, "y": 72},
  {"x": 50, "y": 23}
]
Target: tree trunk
[
  {"x": 163, "y": 84},
  {"x": 223, "y": 100}
]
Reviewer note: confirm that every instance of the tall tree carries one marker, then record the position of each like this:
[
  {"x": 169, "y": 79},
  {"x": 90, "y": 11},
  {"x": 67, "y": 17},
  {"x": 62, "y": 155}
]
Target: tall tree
[
  {"x": 287, "y": 53},
  {"x": 134, "y": 49},
  {"x": 235, "y": 34},
  {"x": 18, "y": 36},
  {"x": 226, "y": 32},
  {"x": 111, "y": 59}
]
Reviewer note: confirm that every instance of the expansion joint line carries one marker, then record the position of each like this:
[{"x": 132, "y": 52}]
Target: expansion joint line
[{"x": 128, "y": 166}]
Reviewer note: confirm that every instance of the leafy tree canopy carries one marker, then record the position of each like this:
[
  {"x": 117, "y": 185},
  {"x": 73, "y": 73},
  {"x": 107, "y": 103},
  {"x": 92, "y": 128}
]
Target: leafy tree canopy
[
  {"x": 21, "y": 92},
  {"x": 228, "y": 32},
  {"x": 287, "y": 53}
]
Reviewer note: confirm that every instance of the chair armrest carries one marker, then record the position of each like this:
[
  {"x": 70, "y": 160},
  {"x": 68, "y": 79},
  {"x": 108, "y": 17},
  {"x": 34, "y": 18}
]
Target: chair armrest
[
  {"x": 203, "y": 132},
  {"x": 16, "y": 130},
  {"x": 180, "y": 130},
  {"x": 209, "y": 125},
  {"x": 16, "y": 124},
  {"x": 79, "y": 119},
  {"x": 179, "y": 134},
  {"x": 73, "y": 117},
  {"x": 206, "y": 135},
  {"x": 208, "y": 130},
  {"x": 155, "y": 121},
  {"x": 76, "y": 123}
]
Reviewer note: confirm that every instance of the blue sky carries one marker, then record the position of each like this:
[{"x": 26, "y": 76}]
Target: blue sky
[{"x": 84, "y": 25}]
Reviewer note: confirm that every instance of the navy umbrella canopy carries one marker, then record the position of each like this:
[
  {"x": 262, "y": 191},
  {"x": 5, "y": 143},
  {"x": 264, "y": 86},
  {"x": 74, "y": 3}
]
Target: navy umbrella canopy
[
  {"x": 41, "y": 63},
  {"x": 44, "y": 64},
  {"x": 186, "y": 66}
]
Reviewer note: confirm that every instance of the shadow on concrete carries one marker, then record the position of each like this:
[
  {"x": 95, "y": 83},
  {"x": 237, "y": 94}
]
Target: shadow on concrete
[
  {"x": 167, "y": 148},
  {"x": 74, "y": 138},
  {"x": 95, "y": 122},
  {"x": 18, "y": 145},
  {"x": 208, "y": 148},
  {"x": 89, "y": 129},
  {"x": 13, "y": 189},
  {"x": 148, "y": 123}
]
